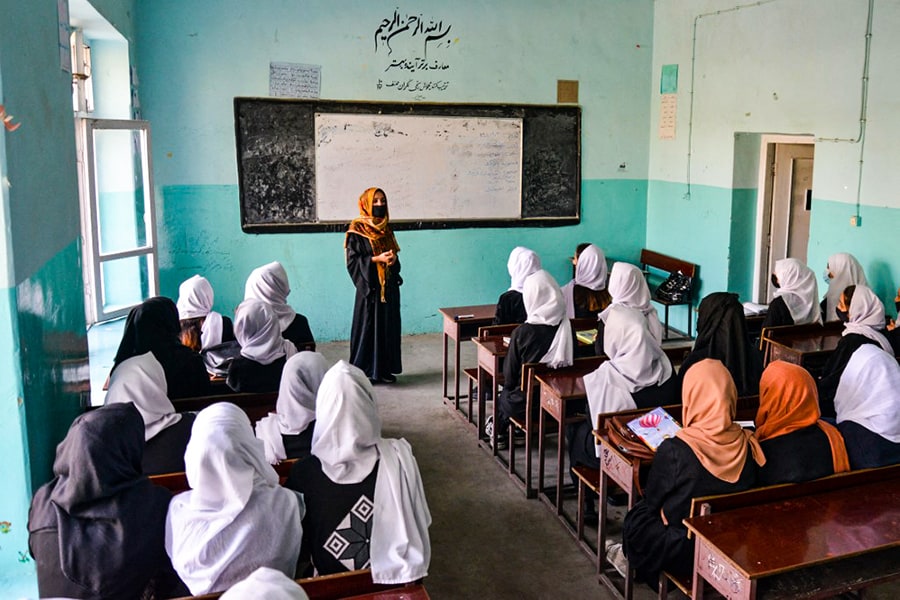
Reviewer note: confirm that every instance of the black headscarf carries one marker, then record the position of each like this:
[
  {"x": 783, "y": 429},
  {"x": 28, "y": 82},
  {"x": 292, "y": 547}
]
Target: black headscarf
[
  {"x": 722, "y": 335},
  {"x": 109, "y": 518},
  {"x": 152, "y": 326}
]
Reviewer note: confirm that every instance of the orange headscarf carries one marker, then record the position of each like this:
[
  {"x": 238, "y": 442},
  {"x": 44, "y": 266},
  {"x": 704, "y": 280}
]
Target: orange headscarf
[
  {"x": 788, "y": 401},
  {"x": 709, "y": 400},
  {"x": 377, "y": 231}
]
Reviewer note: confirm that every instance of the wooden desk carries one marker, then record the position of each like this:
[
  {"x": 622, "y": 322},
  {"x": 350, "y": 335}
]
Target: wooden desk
[
  {"x": 461, "y": 323},
  {"x": 491, "y": 351},
  {"x": 806, "y": 345},
  {"x": 824, "y": 543},
  {"x": 410, "y": 592},
  {"x": 559, "y": 388}
]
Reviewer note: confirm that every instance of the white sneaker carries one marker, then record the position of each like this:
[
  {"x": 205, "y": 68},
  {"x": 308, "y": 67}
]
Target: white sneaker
[
  {"x": 489, "y": 427},
  {"x": 616, "y": 557}
]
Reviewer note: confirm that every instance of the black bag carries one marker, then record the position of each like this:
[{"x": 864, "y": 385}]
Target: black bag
[{"x": 676, "y": 289}]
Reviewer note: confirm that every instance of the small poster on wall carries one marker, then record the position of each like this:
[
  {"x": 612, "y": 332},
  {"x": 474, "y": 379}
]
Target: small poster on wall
[
  {"x": 294, "y": 80},
  {"x": 668, "y": 113}
]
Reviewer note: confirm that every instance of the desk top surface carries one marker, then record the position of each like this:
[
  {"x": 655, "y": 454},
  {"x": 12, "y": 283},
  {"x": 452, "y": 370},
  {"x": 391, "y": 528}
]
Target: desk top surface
[
  {"x": 412, "y": 592},
  {"x": 470, "y": 314},
  {"x": 803, "y": 343},
  {"x": 767, "y": 539},
  {"x": 495, "y": 344}
]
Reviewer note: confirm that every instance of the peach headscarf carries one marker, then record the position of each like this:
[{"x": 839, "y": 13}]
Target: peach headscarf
[
  {"x": 710, "y": 400},
  {"x": 377, "y": 231},
  {"x": 788, "y": 401}
]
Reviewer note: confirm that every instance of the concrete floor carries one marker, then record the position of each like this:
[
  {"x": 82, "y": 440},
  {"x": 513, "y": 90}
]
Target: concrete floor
[{"x": 488, "y": 540}]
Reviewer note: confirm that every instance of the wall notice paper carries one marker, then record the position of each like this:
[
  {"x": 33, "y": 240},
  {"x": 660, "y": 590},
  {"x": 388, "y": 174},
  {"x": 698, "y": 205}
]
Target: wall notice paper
[
  {"x": 294, "y": 80},
  {"x": 668, "y": 112}
]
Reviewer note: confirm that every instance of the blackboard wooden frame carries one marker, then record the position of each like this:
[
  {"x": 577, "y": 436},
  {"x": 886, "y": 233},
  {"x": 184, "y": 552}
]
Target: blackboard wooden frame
[{"x": 277, "y": 185}]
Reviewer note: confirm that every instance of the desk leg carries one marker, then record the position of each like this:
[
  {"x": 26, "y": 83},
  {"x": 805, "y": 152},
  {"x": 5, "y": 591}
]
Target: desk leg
[
  {"x": 494, "y": 403},
  {"x": 481, "y": 404},
  {"x": 541, "y": 429},
  {"x": 456, "y": 370},
  {"x": 444, "y": 370},
  {"x": 602, "y": 510},
  {"x": 560, "y": 464}
]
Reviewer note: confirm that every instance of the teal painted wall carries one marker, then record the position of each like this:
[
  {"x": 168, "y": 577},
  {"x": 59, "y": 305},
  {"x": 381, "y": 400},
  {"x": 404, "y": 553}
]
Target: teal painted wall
[
  {"x": 876, "y": 244},
  {"x": 741, "y": 243},
  {"x": 200, "y": 233}
]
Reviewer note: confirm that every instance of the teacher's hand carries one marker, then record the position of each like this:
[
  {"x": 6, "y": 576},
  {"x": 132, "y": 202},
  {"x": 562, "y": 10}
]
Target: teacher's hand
[{"x": 387, "y": 258}]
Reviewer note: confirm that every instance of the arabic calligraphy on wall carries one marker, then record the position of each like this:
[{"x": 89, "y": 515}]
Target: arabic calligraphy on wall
[{"x": 414, "y": 53}]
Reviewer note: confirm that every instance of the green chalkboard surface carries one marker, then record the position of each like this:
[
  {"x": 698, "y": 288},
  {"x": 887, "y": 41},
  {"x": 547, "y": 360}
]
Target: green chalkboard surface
[{"x": 302, "y": 164}]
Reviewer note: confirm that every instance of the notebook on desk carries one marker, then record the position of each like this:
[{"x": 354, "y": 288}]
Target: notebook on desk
[
  {"x": 587, "y": 337},
  {"x": 654, "y": 427}
]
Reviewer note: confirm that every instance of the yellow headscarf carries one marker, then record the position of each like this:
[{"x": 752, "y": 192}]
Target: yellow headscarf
[{"x": 377, "y": 231}]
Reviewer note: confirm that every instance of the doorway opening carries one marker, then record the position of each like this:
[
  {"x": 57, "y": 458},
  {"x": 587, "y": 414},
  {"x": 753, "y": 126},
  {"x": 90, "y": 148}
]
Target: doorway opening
[{"x": 783, "y": 215}]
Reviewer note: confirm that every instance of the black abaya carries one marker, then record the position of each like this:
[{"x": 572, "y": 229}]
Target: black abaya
[
  {"x": 527, "y": 343},
  {"x": 375, "y": 332},
  {"x": 831, "y": 374}
]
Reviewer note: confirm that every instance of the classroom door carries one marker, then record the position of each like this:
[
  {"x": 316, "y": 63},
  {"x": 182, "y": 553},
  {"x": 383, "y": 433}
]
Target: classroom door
[
  {"x": 789, "y": 207},
  {"x": 118, "y": 216}
]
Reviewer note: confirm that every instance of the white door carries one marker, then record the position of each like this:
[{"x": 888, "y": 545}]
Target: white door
[
  {"x": 786, "y": 210},
  {"x": 118, "y": 216}
]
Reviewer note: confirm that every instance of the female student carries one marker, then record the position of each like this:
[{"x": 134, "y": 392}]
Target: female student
[
  {"x": 263, "y": 350},
  {"x": 796, "y": 296},
  {"x": 638, "y": 374},
  {"x": 522, "y": 262},
  {"x": 797, "y": 443},
  {"x": 153, "y": 326},
  {"x": 866, "y": 402},
  {"x": 722, "y": 335},
  {"x": 372, "y": 262},
  {"x": 628, "y": 287},
  {"x": 287, "y": 433},
  {"x": 236, "y": 518},
  {"x": 711, "y": 455},
  {"x": 865, "y": 325},
  {"x": 586, "y": 294},
  {"x": 546, "y": 337},
  {"x": 841, "y": 271},
  {"x": 141, "y": 381},
  {"x": 269, "y": 284},
  {"x": 97, "y": 529},
  {"x": 365, "y": 503},
  {"x": 201, "y": 326}
]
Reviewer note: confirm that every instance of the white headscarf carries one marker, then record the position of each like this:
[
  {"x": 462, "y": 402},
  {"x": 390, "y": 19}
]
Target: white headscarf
[
  {"x": 195, "y": 300},
  {"x": 269, "y": 283},
  {"x": 866, "y": 317},
  {"x": 846, "y": 271},
  {"x": 869, "y": 392},
  {"x": 544, "y": 305},
  {"x": 236, "y": 518},
  {"x": 266, "y": 583},
  {"x": 141, "y": 380},
  {"x": 347, "y": 441},
  {"x": 636, "y": 361},
  {"x": 296, "y": 405},
  {"x": 798, "y": 290},
  {"x": 590, "y": 272},
  {"x": 258, "y": 334},
  {"x": 628, "y": 287},
  {"x": 522, "y": 263}
]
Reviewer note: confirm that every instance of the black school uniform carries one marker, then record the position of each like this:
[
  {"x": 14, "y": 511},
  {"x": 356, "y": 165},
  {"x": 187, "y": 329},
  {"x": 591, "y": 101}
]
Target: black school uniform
[
  {"x": 866, "y": 449},
  {"x": 510, "y": 309},
  {"x": 298, "y": 445},
  {"x": 527, "y": 343},
  {"x": 337, "y": 526},
  {"x": 247, "y": 375},
  {"x": 797, "y": 456},
  {"x": 778, "y": 314},
  {"x": 164, "y": 452},
  {"x": 676, "y": 477},
  {"x": 299, "y": 333},
  {"x": 827, "y": 384}
]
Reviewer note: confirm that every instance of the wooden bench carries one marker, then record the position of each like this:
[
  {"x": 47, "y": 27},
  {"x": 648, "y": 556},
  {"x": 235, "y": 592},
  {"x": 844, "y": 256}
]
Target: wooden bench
[
  {"x": 352, "y": 584},
  {"x": 177, "y": 482},
  {"x": 668, "y": 264},
  {"x": 256, "y": 405},
  {"x": 708, "y": 505}
]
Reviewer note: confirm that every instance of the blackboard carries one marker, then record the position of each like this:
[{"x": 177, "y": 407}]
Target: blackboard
[{"x": 508, "y": 165}]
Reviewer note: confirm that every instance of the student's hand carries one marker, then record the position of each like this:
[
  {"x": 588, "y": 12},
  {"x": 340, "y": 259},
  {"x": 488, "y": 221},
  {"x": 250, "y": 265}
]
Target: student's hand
[{"x": 892, "y": 325}]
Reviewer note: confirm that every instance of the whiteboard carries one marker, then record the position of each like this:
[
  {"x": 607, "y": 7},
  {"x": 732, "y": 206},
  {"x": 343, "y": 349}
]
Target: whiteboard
[{"x": 430, "y": 167}]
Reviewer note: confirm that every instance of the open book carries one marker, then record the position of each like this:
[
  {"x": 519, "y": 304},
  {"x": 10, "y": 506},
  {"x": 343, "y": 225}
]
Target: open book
[
  {"x": 654, "y": 427},
  {"x": 587, "y": 337}
]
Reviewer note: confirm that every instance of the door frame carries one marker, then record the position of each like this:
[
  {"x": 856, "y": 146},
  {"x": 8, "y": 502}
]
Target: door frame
[{"x": 765, "y": 193}]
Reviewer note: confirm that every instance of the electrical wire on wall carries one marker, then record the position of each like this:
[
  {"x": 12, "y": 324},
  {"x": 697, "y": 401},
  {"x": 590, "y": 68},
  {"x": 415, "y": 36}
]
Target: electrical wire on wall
[{"x": 860, "y": 139}]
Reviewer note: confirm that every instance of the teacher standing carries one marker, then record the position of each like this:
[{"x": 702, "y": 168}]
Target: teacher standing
[{"x": 373, "y": 265}]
